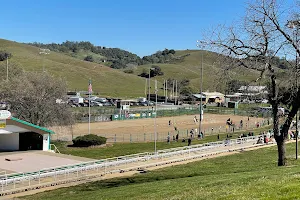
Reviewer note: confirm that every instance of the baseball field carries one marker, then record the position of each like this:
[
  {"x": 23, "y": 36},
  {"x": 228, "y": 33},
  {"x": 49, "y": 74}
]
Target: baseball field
[{"x": 139, "y": 130}]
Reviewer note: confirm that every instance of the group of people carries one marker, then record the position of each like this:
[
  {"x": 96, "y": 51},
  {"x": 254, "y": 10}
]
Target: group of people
[{"x": 265, "y": 137}]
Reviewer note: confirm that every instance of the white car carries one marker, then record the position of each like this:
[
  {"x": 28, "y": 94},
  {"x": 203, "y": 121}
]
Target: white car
[
  {"x": 265, "y": 101},
  {"x": 96, "y": 103}
]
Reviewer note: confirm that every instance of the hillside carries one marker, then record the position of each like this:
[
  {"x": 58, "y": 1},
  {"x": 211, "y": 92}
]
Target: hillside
[
  {"x": 189, "y": 66},
  {"x": 84, "y": 50},
  {"x": 106, "y": 81},
  {"x": 115, "y": 83}
]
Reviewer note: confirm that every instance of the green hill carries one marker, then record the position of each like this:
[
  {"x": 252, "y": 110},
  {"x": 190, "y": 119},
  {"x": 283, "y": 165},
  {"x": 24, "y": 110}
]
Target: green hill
[
  {"x": 106, "y": 81},
  {"x": 115, "y": 83},
  {"x": 188, "y": 65}
]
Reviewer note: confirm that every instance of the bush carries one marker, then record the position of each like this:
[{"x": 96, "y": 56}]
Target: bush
[
  {"x": 89, "y": 58},
  {"x": 88, "y": 140},
  {"x": 128, "y": 71}
]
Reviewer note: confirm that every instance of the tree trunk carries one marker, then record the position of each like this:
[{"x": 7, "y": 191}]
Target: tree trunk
[{"x": 281, "y": 152}]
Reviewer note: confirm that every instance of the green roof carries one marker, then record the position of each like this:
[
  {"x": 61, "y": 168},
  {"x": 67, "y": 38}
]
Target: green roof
[{"x": 32, "y": 125}]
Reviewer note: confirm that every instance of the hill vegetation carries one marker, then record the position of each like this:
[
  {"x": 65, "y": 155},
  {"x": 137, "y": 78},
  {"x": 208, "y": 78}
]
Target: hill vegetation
[
  {"x": 79, "y": 61},
  {"x": 114, "y": 57},
  {"x": 106, "y": 81}
]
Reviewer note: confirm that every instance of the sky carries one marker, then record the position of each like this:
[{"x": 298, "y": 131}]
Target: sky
[{"x": 139, "y": 26}]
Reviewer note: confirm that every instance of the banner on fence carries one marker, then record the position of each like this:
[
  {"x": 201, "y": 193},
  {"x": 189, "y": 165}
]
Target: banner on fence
[{"x": 133, "y": 116}]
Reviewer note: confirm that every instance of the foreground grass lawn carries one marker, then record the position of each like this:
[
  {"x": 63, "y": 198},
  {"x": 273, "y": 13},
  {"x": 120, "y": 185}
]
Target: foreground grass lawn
[
  {"x": 120, "y": 149},
  {"x": 247, "y": 175}
]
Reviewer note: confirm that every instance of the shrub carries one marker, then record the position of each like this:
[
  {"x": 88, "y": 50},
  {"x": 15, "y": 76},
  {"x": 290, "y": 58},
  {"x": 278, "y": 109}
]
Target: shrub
[
  {"x": 89, "y": 58},
  {"x": 88, "y": 140},
  {"x": 128, "y": 71}
]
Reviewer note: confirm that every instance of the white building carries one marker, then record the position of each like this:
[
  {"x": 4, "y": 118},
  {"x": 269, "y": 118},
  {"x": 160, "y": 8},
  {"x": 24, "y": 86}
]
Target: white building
[{"x": 19, "y": 135}]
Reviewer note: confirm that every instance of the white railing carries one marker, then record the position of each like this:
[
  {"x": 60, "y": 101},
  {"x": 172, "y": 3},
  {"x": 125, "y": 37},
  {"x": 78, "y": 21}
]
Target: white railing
[
  {"x": 11, "y": 182},
  {"x": 54, "y": 148}
]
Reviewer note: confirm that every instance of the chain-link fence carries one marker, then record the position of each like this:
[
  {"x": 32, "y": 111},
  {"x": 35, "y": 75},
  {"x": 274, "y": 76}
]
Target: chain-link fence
[
  {"x": 109, "y": 114},
  {"x": 183, "y": 133}
]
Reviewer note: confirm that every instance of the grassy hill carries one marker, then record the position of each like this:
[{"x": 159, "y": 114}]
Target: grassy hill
[
  {"x": 106, "y": 81},
  {"x": 189, "y": 67},
  {"x": 116, "y": 83}
]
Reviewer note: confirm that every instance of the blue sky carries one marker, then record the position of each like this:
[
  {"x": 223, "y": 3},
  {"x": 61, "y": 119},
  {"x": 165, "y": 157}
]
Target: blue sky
[{"x": 140, "y": 26}]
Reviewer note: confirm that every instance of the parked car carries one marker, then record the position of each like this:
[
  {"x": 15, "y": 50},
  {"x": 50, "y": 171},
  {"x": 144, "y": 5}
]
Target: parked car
[
  {"x": 146, "y": 103},
  {"x": 95, "y": 104},
  {"x": 107, "y": 104}
]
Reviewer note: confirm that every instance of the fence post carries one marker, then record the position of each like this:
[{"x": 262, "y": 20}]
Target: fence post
[
  {"x": 144, "y": 137},
  {"x": 130, "y": 138},
  {"x": 187, "y": 133},
  {"x": 115, "y": 138}
]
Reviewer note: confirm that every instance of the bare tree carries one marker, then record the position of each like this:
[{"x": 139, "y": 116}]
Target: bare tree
[
  {"x": 32, "y": 97},
  {"x": 253, "y": 44}
]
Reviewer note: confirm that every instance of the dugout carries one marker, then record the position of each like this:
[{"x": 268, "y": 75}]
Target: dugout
[{"x": 19, "y": 135}]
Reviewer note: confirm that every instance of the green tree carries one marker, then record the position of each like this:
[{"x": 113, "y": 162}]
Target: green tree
[
  {"x": 4, "y": 55},
  {"x": 32, "y": 97},
  {"x": 89, "y": 58}
]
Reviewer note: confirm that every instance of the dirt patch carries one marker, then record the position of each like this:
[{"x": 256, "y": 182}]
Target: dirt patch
[{"x": 142, "y": 129}]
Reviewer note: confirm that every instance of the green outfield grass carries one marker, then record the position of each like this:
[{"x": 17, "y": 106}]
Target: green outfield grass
[{"x": 246, "y": 175}]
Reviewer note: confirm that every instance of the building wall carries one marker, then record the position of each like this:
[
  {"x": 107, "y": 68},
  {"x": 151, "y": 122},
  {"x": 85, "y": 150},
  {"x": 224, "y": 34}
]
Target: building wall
[
  {"x": 46, "y": 142},
  {"x": 9, "y": 142}
]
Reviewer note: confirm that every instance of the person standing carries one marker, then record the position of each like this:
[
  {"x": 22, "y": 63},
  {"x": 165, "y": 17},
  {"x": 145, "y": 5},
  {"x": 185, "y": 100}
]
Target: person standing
[
  {"x": 189, "y": 142},
  {"x": 195, "y": 120}
]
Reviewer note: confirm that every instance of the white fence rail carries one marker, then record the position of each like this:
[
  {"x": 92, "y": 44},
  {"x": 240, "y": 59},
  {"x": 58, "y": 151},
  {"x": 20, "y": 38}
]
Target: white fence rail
[{"x": 18, "y": 182}]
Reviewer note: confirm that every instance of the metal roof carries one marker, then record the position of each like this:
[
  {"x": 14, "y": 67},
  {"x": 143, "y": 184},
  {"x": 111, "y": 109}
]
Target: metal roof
[
  {"x": 198, "y": 96},
  {"x": 31, "y": 125}
]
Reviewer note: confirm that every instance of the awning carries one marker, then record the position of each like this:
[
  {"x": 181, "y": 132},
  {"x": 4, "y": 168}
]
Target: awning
[{"x": 14, "y": 125}]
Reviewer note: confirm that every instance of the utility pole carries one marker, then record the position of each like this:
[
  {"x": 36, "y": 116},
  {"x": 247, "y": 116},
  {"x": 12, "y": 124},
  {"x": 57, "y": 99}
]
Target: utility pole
[
  {"x": 173, "y": 96},
  {"x": 166, "y": 91},
  {"x": 155, "y": 126},
  {"x": 146, "y": 87},
  {"x": 200, "y": 44},
  {"x": 148, "y": 104},
  {"x": 7, "y": 68},
  {"x": 176, "y": 98},
  {"x": 201, "y": 85},
  {"x": 164, "y": 87}
]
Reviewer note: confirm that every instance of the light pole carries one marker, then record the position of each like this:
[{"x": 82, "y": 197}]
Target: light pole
[
  {"x": 7, "y": 68},
  {"x": 200, "y": 45},
  {"x": 155, "y": 126},
  {"x": 295, "y": 25},
  {"x": 151, "y": 68},
  {"x": 45, "y": 52}
]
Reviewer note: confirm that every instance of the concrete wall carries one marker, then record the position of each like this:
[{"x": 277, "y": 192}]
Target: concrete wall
[{"x": 9, "y": 142}]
